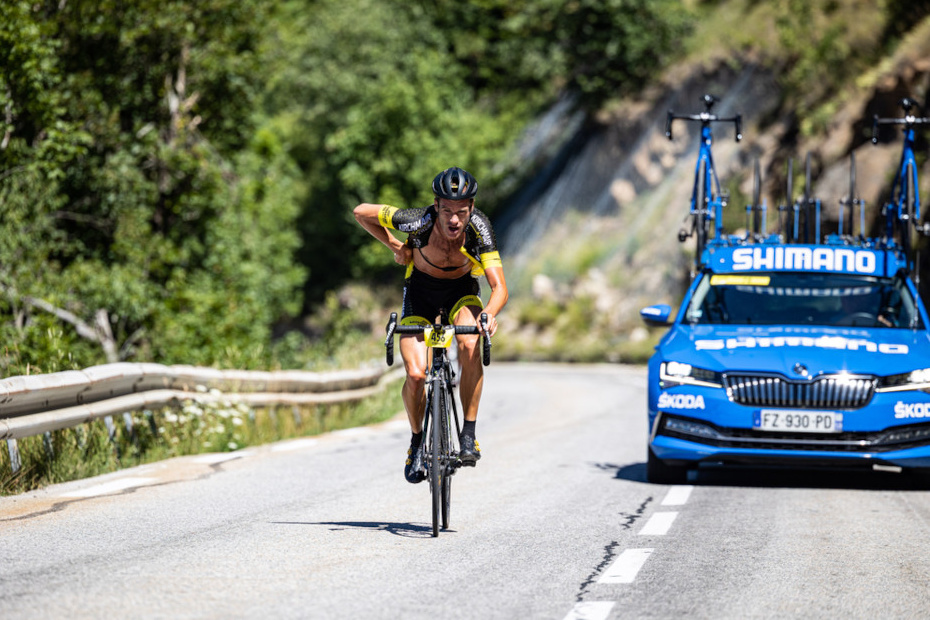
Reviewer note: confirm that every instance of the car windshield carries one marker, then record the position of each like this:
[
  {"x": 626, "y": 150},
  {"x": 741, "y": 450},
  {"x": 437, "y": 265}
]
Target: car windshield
[{"x": 778, "y": 298}]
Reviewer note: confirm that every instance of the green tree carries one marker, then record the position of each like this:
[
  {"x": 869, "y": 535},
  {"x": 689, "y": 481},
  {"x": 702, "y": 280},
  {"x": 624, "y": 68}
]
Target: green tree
[{"x": 157, "y": 234}]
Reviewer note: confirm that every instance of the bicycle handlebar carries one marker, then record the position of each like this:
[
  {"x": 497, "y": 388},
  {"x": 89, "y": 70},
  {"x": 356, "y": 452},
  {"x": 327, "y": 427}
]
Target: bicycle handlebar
[
  {"x": 705, "y": 118},
  {"x": 908, "y": 120},
  {"x": 393, "y": 328}
]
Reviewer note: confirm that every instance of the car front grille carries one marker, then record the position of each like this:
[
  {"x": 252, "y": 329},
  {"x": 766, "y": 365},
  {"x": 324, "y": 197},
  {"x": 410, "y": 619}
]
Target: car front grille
[
  {"x": 827, "y": 391},
  {"x": 701, "y": 431}
]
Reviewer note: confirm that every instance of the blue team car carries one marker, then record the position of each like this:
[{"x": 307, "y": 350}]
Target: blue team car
[{"x": 794, "y": 353}]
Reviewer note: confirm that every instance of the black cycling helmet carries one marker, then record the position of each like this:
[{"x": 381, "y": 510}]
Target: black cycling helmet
[{"x": 455, "y": 184}]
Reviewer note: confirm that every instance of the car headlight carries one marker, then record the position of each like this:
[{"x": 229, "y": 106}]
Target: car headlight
[
  {"x": 677, "y": 373},
  {"x": 914, "y": 380}
]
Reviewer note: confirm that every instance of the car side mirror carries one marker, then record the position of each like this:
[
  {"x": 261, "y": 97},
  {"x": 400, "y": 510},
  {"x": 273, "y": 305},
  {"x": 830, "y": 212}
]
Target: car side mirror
[{"x": 656, "y": 316}]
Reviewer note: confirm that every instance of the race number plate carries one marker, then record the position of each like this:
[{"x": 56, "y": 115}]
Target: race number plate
[
  {"x": 441, "y": 338},
  {"x": 798, "y": 421}
]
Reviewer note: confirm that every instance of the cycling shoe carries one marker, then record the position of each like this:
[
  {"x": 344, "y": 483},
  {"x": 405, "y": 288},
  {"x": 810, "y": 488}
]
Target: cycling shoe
[
  {"x": 414, "y": 467},
  {"x": 469, "y": 452}
]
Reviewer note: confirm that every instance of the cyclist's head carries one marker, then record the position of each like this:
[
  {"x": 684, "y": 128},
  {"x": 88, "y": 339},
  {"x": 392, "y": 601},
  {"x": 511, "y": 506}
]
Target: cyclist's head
[{"x": 455, "y": 184}]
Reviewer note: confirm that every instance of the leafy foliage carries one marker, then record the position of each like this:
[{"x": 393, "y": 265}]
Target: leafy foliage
[{"x": 177, "y": 177}]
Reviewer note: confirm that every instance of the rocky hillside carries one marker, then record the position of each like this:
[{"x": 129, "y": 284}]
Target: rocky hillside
[{"x": 594, "y": 240}]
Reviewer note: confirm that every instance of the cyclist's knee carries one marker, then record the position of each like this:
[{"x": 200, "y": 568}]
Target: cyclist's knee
[{"x": 416, "y": 376}]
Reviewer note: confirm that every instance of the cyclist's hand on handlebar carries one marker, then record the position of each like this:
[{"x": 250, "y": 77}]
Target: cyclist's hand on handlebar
[{"x": 492, "y": 323}]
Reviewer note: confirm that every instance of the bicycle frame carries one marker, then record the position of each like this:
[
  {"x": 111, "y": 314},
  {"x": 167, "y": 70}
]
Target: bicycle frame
[
  {"x": 714, "y": 210},
  {"x": 902, "y": 182},
  {"x": 906, "y": 183},
  {"x": 705, "y": 175}
]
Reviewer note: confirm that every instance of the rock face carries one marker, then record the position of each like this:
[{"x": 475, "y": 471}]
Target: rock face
[{"x": 603, "y": 224}]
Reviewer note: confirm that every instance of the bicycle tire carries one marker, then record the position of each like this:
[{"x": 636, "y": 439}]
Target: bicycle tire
[
  {"x": 446, "y": 484},
  {"x": 700, "y": 216},
  {"x": 756, "y": 198},
  {"x": 852, "y": 195},
  {"x": 908, "y": 215},
  {"x": 435, "y": 472},
  {"x": 807, "y": 200}
]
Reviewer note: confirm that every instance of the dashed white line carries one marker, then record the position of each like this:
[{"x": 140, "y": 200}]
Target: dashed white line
[
  {"x": 626, "y": 566},
  {"x": 678, "y": 495},
  {"x": 106, "y": 488},
  {"x": 590, "y": 610},
  {"x": 658, "y": 524}
]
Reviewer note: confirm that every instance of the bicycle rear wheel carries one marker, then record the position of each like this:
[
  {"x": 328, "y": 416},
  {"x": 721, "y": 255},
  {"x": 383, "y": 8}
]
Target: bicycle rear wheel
[
  {"x": 435, "y": 447},
  {"x": 448, "y": 465}
]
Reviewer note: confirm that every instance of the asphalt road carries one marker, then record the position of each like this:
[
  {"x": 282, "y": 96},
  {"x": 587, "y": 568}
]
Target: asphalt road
[{"x": 557, "y": 521}]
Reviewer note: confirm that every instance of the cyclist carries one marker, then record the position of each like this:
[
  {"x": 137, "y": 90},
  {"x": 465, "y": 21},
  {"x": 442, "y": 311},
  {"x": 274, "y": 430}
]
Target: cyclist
[{"x": 448, "y": 245}]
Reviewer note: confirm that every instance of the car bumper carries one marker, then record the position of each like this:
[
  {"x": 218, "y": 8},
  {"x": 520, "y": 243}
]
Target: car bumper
[{"x": 722, "y": 432}]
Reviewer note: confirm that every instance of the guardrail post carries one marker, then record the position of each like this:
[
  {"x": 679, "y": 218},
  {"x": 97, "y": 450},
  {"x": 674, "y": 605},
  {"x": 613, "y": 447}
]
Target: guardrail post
[
  {"x": 111, "y": 433},
  {"x": 127, "y": 420},
  {"x": 15, "y": 462},
  {"x": 49, "y": 450},
  {"x": 298, "y": 421},
  {"x": 153, "y": 426}
]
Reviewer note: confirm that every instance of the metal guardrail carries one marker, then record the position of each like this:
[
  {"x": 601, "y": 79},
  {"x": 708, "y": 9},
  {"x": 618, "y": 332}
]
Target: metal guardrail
[{"x": 32, "y": 405}]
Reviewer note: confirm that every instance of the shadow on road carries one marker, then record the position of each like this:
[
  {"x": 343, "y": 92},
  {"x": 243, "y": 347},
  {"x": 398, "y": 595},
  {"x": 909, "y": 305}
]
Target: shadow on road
[
  {"x": 777, "y": 477},
  {"x": 409, "y": 530}
]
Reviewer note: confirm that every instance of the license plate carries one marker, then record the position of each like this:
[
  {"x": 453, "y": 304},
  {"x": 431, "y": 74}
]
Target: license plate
[{"x": 798, "y": 421}]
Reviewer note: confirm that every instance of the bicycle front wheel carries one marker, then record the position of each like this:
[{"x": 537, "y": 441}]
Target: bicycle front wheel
[
  {"x": 435, "y": 467},
  {"x": 907, "y": 217},
  {"x": 700, "y": 216}
]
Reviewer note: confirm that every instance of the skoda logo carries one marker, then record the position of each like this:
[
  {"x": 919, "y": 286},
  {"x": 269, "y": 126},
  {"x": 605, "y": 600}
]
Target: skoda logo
[{"x": 800, "y": 369}]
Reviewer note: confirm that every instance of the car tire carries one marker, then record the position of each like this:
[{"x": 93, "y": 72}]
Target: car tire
[{"x": 660, "y": 472}]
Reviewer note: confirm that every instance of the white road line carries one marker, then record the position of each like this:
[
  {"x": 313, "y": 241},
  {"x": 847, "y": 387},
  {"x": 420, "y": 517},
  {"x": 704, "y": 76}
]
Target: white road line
[
  {"x": 625, "y": 567},
  {"x": 220, "y": 457},
  {"x": 678, "y": 495},
  {"x": 109, "y": 487},
  {"x": 295, "y": 444},
  {"x": 590, "y": 610},
  {"x": 658, "y": 524}
]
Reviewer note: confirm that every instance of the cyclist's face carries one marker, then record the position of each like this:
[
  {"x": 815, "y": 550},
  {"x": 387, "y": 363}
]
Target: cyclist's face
[{"x": 453, "y": 216}]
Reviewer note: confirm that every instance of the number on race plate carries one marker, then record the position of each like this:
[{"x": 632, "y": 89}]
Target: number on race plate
[{"x": 798, "y": 421}]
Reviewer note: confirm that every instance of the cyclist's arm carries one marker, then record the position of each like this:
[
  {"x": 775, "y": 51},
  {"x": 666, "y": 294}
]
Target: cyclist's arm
[
  {"x": 368, "y": 216},
  {"x": 499, "y": 295}
]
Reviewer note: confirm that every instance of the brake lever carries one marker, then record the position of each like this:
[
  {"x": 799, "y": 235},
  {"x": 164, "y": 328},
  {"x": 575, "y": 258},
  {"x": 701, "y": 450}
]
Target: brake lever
[{"x": 389, "y": 341}]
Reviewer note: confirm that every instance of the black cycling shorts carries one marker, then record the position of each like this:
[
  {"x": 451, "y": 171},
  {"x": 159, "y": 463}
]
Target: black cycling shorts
[{"x": 425, "y": 295}]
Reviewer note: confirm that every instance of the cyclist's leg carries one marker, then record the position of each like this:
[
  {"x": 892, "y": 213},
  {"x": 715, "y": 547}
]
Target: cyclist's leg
[
  {"x": 413, "y": 351},
  {"x": 472, "y": 380},
  {"x": 419, "y": 304}
]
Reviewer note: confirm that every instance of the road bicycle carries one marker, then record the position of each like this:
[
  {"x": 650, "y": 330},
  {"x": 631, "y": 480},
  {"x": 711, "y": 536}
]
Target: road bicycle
[
  {"x": 441, "y": 443},
  {"x": 902, "y": 212},
  {"x": 707, "y": 198}
]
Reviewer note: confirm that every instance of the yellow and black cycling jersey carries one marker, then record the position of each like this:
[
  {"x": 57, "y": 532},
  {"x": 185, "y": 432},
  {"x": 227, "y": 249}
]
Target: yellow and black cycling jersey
[{"x": 480, "y": 244}]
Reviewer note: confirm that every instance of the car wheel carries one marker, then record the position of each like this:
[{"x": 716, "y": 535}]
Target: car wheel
[{"x": 660, "y": 472}]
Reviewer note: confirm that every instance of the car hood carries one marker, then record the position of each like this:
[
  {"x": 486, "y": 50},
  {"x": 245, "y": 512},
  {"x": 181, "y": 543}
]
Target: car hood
[{"x": 779, "y": 349}]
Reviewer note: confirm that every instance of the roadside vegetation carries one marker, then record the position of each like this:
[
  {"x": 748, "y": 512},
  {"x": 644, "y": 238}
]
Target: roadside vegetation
[
  {"x": 177, "y": 177},
  {"x": 226, "y": 426}
]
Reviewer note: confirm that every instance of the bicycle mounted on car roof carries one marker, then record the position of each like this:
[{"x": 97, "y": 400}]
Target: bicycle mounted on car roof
[
  {"x": 902, "y": 212},
  {"x": 707, "y": 198},
  {"x": 441, "y": 443},
  {"x": 802, "y": 216}
]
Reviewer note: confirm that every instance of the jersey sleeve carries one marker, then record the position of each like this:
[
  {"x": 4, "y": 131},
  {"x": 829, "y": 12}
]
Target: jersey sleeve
[
  {"x": 486, "y": 242},
  {"x": 405, "y": 220}
]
